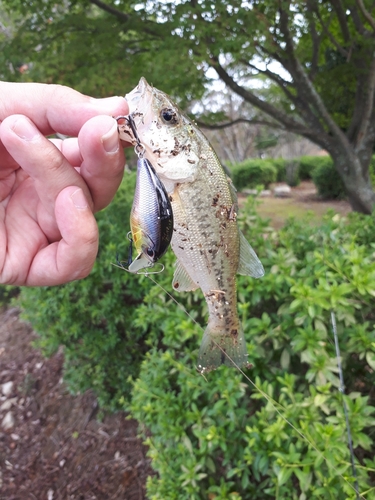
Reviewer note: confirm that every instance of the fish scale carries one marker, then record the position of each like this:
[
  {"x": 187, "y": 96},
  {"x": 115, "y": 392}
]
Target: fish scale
[{"x": 207, "y": 242}]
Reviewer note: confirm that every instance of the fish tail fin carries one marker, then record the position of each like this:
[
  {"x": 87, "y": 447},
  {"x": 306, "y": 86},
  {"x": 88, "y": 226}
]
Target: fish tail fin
[{"x": 222, "y": 348}]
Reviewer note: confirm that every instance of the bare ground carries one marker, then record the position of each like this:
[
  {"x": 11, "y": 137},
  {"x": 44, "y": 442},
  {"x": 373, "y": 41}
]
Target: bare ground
[
  {"x": 56, "y": 448},
  {"x": 302, "y": 199}
]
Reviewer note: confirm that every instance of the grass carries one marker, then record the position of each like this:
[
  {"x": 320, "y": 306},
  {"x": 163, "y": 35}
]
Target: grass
[{"x": 280, "y": 209}]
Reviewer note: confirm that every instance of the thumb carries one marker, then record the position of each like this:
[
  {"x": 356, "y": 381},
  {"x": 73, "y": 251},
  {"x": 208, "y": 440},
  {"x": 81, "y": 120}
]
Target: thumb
[{"x": 74, "y": 255}]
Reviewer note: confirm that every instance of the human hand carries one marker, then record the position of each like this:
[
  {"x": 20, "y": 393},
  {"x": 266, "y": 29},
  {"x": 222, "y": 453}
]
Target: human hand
[{"x": 49, "y": 189}]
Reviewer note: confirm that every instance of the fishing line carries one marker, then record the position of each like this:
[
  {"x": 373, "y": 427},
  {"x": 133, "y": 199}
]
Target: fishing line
[
  {"x": 269, "y": 399},
  {"x": 342, "y": 385},
  {"x": 342, "y": 392},
  {"x": 300, "y": 433},
  {"x": 276, "y": 405}
]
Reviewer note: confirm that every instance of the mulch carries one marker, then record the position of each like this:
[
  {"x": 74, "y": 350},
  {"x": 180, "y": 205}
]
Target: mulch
[{"x": 55, "y": 446}]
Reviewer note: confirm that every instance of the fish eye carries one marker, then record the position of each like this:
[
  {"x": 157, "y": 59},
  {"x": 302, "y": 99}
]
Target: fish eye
[
  {"x": 150, "y": 252},
  {"x": 169, "y": 116}
]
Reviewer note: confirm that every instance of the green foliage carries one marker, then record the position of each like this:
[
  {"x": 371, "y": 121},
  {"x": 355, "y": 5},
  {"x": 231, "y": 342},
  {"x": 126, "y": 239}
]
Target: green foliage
[
  {"x": 94, "y": 318},
  {"x": 265, "y": 140},
  {"x": 7, "y": 293},
  {"x": 336, "y": 83},
  {"x": 224, "y": 437},
  {"x": 307, "y": 165},
  {"x": 327, "y": 180},
  {"x": 280, "y": 165},
  {"x": 99, "y": 53},
  {"x": 255, "y": 171},
  {"x": 103, "y": 49},
  {"x": 252, "y": 173}
]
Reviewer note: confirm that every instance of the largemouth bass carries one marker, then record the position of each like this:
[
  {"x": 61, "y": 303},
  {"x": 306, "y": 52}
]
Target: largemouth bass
[{"x": 207, "y": 242}]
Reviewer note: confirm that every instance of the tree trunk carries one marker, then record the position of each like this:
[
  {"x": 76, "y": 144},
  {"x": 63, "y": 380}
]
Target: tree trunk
[{"x": 356, "y": 179}]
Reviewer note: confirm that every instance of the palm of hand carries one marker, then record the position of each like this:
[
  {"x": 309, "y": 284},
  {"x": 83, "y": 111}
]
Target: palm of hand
[{"x": 49, "y": 190}]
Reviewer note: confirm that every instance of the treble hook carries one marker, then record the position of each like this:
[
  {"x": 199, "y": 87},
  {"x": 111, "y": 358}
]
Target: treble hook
[{"x": 139, "y": 147}]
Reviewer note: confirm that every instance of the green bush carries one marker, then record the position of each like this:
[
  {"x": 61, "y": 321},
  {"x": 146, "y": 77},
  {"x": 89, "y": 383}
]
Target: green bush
[
  {"x": 307, "y": 165},
  {"x": 327, "y": 180},
  {"x": 94, "y": 318},
  {"x": 252, "y": 173},
  {"x": 220, "y": 436},
  {"x": 280, "y": 165},
  {"x": 287, "y": 170}
]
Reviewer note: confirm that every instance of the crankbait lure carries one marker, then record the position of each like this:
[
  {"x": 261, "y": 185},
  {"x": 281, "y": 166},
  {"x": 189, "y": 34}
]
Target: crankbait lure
[{"x": 151, "y": 217}]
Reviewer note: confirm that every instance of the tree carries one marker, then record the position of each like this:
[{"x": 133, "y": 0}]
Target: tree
[{"x": 319, "y": 54}]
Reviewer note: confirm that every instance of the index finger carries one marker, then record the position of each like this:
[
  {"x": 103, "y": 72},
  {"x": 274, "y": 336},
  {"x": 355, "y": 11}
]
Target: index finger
[{"x": 55, "y": 108}]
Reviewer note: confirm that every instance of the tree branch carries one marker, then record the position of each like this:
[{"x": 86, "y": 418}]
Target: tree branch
[
  {"x": 219, "y": 126},
  {"x": 111, "y": 10},
  {"x": 304, "y": 84},
  {"x": 316, "y": 39},
  {"x": 126, "y": 18},
  {"x": 272, "y": 76},
  {"x": 367, "y": 106},
  {"x": 341, "y": 15},
  {"x": 357, "y": 21},
  {"x": 366, "y": 14},
  {"x": 333, "y": 40},
  {"x": 285, "y": 120}
]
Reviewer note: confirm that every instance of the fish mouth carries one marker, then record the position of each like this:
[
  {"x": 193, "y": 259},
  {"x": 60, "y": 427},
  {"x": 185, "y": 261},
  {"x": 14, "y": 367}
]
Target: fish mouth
[
  {"x": 139, "y": 102},
  {"x": 141, "y": 95}
]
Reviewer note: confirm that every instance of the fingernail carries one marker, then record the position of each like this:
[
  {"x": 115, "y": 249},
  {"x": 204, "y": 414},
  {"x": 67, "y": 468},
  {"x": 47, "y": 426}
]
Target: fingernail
[
  {"x": 79, "y": 199},
  {"x": 25, "y": 129},
  {"x": 110, "y": 140}
]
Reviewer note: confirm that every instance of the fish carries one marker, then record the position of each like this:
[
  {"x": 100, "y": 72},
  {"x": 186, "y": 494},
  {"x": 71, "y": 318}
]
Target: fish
[
  {"x": 207, "y": 242},
  {"x": 151, "y": 217}
]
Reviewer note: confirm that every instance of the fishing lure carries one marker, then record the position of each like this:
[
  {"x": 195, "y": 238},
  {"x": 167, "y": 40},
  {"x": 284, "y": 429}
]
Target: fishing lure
[{"x": 151, "y": 216}]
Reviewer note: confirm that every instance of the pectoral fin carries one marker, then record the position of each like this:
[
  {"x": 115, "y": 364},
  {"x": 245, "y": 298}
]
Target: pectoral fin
[
  {"x": 182, "y": 281},
  {"x": 249, "y": 264}
]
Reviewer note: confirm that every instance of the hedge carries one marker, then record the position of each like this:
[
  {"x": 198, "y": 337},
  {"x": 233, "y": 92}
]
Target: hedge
[
  {"x": 252, "y": 173},
  {"x": 222, "y": 437}
]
